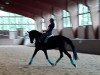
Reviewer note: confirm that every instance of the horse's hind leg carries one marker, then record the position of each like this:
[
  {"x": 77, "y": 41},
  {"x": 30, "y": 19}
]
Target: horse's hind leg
[
  {"x": 71, "y": 60},
  {"x": 61, "y": 55},
  {"x": 74, "y": 50},
  {"x": 45, "y": 52}
]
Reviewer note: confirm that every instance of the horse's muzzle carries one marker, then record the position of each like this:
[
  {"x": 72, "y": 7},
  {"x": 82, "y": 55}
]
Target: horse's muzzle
[{"x": 31, "y": 42}]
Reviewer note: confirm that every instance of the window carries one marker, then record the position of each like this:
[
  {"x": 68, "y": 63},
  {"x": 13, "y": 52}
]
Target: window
[
  {"x": 43, "y": 24},
  {"x": 84, "y": 15},
  {"x": 99, "y": 5},
  {"x": 66, "y": 19},
  {"x": 11, "y": 21},
  {"x": 52, "y": 16}
]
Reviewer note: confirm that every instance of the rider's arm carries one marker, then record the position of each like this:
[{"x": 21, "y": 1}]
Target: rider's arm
[{"x": 48, "y": 28}]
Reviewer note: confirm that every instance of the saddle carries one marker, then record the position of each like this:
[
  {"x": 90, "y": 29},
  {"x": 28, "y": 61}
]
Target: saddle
[{"x": 44, "y": 40}]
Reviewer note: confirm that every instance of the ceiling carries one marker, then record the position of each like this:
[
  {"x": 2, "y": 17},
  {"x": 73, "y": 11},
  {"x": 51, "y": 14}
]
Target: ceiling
[{"x": 33, "y": 8}]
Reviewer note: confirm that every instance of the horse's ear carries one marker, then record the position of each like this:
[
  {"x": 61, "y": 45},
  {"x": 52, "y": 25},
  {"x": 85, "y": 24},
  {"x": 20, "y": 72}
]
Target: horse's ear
[{"x": 28, "y": 31}]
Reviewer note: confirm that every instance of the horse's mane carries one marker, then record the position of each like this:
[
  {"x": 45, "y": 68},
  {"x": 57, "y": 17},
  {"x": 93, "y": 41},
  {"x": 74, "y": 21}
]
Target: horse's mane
[{"x": 35, "y": 32}]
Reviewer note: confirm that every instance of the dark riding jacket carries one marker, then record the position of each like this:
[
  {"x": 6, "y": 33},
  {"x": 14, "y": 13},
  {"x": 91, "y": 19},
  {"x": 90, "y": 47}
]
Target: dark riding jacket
[{"x": 49, "y": 31}]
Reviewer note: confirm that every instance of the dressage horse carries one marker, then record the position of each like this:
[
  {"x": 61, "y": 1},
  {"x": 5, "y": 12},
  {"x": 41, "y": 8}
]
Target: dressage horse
[{"x": 53, "y": 42}]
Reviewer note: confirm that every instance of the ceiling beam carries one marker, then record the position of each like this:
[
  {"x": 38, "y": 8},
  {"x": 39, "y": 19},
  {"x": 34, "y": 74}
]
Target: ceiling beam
[
  {"x": 18, "y": 11},
  {"x": 35, "y": 7},
  {"x": 25, "y": 9},
  {"x": 55, "y": 3},
  {"x": 34, "y": 4}
]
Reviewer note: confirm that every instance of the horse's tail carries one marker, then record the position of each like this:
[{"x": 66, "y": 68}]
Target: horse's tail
[{"x": 72, "y": 46}]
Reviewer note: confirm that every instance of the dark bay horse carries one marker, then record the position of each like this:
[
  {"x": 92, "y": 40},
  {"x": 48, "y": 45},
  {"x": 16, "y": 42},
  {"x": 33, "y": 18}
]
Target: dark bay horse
[{"x": 53, "y": 42}]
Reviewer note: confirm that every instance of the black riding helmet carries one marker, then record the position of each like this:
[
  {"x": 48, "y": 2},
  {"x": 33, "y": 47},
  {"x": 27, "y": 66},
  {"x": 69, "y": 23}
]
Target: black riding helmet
[{"x": 51, "y": 19}]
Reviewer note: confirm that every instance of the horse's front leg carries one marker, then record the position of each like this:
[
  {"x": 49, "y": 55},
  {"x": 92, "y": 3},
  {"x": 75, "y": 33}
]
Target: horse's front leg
[
  {"x": 36, "y": 50},
  {"x": 46, "y": 55}
]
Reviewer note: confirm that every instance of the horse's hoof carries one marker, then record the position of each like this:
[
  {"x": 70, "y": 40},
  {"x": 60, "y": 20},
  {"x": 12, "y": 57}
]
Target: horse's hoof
[
  {"x": 55, "y": 64},
  {"x": 74, "y": 65},
  {"x": 29, "y": 64},
  {"x": 52, "y": 64}
]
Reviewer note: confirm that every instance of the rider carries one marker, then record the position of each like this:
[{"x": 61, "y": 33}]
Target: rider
[
  {"x": 49, "y": 30},
  {"x": 50, "y": 27}
]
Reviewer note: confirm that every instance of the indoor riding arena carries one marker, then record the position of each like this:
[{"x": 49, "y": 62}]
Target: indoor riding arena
[{"x": 75, "y": 20}]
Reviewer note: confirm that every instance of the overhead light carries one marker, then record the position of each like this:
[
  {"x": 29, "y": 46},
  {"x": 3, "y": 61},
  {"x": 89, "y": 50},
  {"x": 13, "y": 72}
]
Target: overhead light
[
  {"x": 1, "y": 7},
  {"x": 7, "y": 2}
]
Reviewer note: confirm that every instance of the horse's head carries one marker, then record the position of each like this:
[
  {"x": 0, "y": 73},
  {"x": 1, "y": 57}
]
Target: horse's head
[{"x": 33, "y": 35}]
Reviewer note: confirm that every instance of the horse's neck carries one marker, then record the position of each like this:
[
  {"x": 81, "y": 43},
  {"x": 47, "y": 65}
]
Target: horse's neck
[{"x": 37, "y": 36}]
